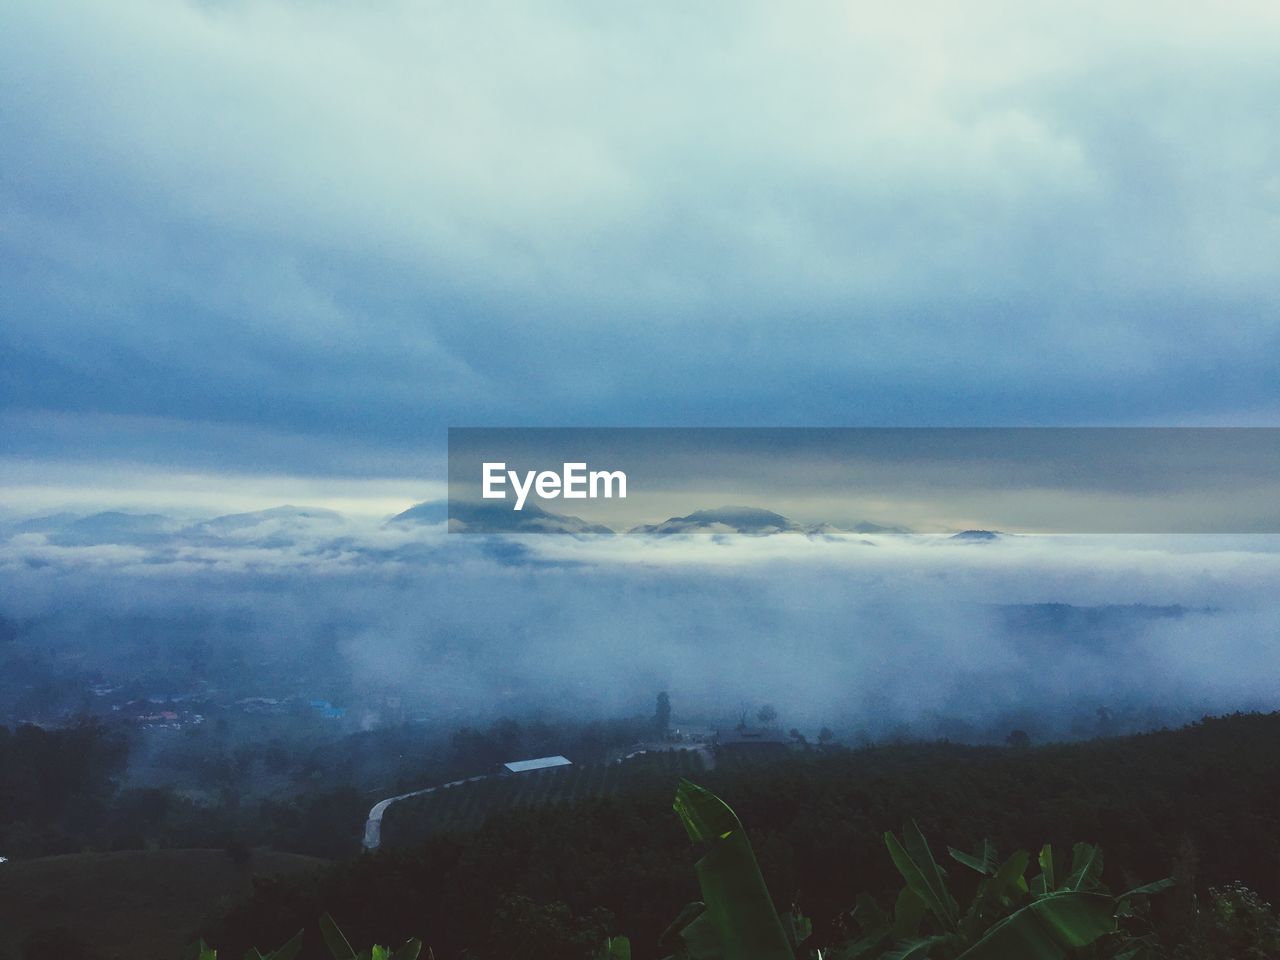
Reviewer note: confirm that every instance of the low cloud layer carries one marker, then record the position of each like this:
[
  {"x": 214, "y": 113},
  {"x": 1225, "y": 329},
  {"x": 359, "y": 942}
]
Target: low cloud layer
[{"x": 878, "y": 633}]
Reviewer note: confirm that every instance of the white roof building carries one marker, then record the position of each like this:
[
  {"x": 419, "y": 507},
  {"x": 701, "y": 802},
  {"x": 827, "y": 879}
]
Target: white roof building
[{"x": 542, "y": 763}]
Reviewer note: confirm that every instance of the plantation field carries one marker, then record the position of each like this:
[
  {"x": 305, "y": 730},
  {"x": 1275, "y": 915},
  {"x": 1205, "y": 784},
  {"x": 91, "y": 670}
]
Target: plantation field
[{"x": 465, "y": 807}]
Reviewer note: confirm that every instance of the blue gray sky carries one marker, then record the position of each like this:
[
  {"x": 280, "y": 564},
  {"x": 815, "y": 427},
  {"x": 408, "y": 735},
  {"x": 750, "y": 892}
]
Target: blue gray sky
[{"x": 255, "y": 248}]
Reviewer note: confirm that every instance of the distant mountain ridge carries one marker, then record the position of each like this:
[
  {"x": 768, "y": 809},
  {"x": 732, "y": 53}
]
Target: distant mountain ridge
[
  {"x": 150, "y": 529},
  {"x": 286, "y": 513},
  {"x": 746, "y": 520},
  {"x": 272, "y": 524},
  {"x": 756, "y": 522},
  {"x": 497, "y": 517}
]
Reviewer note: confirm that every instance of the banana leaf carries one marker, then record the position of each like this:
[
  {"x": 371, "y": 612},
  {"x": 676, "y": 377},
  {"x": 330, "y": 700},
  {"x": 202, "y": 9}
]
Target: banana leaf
[
  {"x": 286, "y": 951},
  {"x": 924, "y": 878},
  {"x": 1048, "y": 928},
  {"x": 797, "y": 927},
  {"x": 1010, "y": 877},
  {"x": 985, "y": 862},
  {"x": 412, "y": 948},
  {"x": 907, "y": 914},
  {"x": 1086, "y": 867},
  {"x": 691, "y": 936},
  {"x": 335, "y": 940},
  {"x": 615, "y": 948},
  {"x": 738, "y": 907},
  {"x": 1045, "y": 883},
  {"x": 1149, "y": 888}
]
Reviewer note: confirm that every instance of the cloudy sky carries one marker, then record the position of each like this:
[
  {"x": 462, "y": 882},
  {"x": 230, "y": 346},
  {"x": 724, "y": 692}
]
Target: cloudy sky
[{"x": 250, "y": 250}]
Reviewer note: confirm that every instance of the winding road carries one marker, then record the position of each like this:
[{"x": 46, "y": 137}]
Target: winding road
[{"x": 373, "y": 826}]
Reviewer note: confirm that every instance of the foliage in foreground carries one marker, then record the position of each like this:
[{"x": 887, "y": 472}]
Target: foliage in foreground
[
  {"x": 1054, "y": 915},
  {"x": 1020, "y": 907},
  {"x": 614, "y": 948},
  {"x": 1198, "y": 802},
  {"x": 334, "y": 939},
  {"x": 1010, "y": 918}
]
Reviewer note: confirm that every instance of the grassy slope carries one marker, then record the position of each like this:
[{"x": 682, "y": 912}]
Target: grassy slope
[{"x": 136, "y": 904}]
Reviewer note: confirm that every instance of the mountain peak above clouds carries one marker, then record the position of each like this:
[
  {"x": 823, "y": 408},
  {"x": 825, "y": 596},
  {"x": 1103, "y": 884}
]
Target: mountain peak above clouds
[{"x": 754, "y": 521}]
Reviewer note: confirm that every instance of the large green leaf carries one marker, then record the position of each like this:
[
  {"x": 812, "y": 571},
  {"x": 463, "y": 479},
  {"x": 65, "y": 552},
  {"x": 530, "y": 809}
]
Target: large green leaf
[
  {"x": 996, "y": 895},
  {"x": 1009, "y": 879},
  {"x": 907, "y": 914},
  {"x": 797, "y": 927},
  {"x": 1149, "y": 888},
  {"x": 918, "y": 848},
  {"x": 985, "y": 861},
  {"x": 287, "y": 951},
  {"x": 923, "y": 878},
  {"x": 335, "y": 940},
  {"x": 410, "y": 951},
  {"x": 1047, "y": 883},
  {"x": 1086, "y": 867},
  {"x": 738, "y": 905},
  {"x": 691, "y": 936},
  {"x": 1046, "y": 929}
]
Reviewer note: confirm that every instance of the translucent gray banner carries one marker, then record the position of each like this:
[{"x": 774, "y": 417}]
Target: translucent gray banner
[{"x": 820, "y": 481}]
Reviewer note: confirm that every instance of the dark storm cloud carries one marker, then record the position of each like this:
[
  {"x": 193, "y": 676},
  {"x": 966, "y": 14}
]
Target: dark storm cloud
[{"x": 351, "y": 226}]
